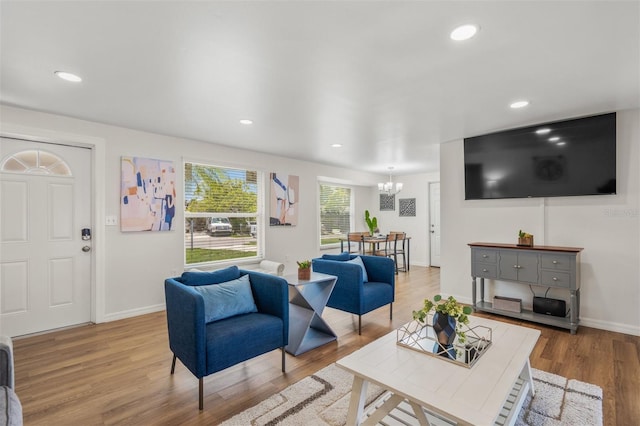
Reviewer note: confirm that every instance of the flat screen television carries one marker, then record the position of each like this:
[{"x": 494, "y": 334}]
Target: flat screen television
[{"x": 558, "y": 159}]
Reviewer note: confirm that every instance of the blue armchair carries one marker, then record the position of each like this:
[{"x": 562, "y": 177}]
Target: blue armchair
[
  {"x": 206, "y": 346},
  {"x": 353, "y": 292}
]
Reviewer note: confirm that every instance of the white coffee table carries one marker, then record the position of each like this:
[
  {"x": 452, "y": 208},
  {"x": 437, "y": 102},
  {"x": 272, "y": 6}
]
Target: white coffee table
[{"x": 474, "y": 396}]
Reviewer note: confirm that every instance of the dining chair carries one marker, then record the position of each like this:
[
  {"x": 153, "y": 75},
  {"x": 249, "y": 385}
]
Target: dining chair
[
  {"x": 386, "y": 249},
  {"x": 358, "y": 239},
  {"x": 397, "y": 242}
]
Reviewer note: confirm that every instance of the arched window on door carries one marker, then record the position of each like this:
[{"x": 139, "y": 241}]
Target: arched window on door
[{"x": 35, "y": 161}]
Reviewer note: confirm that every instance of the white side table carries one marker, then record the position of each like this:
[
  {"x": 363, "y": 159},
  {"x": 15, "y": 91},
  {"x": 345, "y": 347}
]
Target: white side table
[{"x": 307, "y": 299}]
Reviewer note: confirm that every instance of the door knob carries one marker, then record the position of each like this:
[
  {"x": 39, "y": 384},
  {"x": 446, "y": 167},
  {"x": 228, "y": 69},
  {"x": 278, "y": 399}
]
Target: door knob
[{"x": 86, "y": 249}]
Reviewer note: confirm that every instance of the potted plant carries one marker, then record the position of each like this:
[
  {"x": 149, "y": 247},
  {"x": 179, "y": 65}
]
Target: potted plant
[
  {"x": 372, "y": 222},
  {"x": 449, "y": 315},
  {"x": 525, "y": 239},
  {"x": 304, "y": 269}
]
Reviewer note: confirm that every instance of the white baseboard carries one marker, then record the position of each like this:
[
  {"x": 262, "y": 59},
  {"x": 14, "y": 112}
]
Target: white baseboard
[
  {"x": 424, "y": 265},
  {"x": 610, "y": 326},
  {"x": 133, "y": 312}
]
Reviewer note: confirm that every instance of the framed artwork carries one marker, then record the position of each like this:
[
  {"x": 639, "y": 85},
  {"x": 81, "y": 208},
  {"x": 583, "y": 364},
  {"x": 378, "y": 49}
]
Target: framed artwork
[
  {"x": 407, "y": 206},
  {"x": 147, "y": 194},
  {"x": 387, "y": 202},
  {"x": 284, "y": 199}
]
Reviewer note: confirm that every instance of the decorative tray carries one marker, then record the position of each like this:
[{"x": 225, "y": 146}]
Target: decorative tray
[{"x": 422, "y": 338}]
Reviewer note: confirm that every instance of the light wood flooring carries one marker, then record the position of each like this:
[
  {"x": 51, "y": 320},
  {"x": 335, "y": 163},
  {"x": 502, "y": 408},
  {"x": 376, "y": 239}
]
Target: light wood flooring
[{"x": 118, "y": 372}]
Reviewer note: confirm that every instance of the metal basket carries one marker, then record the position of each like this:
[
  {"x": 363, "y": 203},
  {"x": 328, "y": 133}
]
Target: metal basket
[{"x": 422, "y": 338}]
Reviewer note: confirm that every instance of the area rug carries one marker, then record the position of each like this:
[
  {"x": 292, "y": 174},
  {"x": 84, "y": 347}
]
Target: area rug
[{"x": 323, "y": 399}]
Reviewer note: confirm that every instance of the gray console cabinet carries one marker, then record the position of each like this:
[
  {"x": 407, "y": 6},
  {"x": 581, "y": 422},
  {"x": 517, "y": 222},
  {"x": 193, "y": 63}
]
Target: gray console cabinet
[{"x": 545, "y": 266}]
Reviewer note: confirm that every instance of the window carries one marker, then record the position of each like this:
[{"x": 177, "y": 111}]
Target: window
[
  {"x": 222, "y": 213},
  {"x": 36, "y": 162},
  {"x": 335, "y": 213}
]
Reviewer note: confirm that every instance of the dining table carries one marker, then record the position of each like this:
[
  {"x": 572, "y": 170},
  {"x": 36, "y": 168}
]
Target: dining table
[{"x": 374, "y": 242}]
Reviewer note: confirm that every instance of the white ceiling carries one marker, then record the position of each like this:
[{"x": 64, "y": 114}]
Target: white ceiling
[{"x": 381, "y": 78}]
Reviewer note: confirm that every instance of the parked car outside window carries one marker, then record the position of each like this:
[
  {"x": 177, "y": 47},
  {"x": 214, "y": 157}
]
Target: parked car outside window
[{"x": 219, "y": 226}]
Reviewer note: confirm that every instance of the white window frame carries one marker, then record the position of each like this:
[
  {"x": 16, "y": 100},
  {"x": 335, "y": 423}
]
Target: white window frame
[
  {"x": 259, "y": 215},
  {"x": 351, "y": 212}
]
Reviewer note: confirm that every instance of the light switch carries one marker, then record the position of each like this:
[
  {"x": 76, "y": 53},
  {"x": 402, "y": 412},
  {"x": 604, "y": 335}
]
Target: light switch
[{"x": 112, "y": 220}]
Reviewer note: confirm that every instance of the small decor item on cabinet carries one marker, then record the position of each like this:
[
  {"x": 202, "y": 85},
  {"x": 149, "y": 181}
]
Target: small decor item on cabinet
[
  {"x": 525, "y": 239},
  {"x": 304, "y": 269}
]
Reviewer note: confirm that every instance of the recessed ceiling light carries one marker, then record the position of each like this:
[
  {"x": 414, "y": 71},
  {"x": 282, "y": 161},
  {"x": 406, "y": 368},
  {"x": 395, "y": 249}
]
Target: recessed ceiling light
[
  {"x": 463, "y": 32},
  {"x": 246, "y": 122},
  {"x": 336, "y": 145},
  {"x": 68, "y": 76},
  {"x": 554, "y": 139},
  {"x": 519, "y": 104},
  {"x": 543, "y": 131},
  {"x": 561, "y": 143}
]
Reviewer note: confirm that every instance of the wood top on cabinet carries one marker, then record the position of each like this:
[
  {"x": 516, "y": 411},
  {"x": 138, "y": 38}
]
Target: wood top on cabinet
[{"x": 535, "y": 247}]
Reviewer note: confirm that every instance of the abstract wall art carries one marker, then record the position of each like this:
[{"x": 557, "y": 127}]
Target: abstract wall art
[
  {"x": 407, "y": 206},
  {"x": 387, "y": 202},
  {"x": 147, "y": 194},
  {"x": 285, "y": 197}
]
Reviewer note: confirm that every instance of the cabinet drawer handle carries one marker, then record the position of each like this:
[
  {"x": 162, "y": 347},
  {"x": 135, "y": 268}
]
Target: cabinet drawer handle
[
  {"x": 485, "y": 270},
  {"x": 555, "y": 278},
  {"x": 555, "y": 262},
  {"x": 485, "y": 256}
]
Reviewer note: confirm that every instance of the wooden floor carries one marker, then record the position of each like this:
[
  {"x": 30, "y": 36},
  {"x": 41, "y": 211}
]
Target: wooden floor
[{"x": 118, "y": 372}]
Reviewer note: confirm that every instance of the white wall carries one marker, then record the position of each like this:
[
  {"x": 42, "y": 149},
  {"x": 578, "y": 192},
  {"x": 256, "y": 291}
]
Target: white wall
[
  {"x": 607, "y": 227},
  {"x": 134, "y": 265},
  {"x": 414, "y": 186}
]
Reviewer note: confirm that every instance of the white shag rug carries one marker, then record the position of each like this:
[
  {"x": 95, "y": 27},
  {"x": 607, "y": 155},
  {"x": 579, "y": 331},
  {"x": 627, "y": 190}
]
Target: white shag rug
[{"x": 323, "y": 399}]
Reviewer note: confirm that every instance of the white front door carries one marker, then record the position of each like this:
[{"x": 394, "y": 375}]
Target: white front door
[
  {"x": 434, "y": 225},
  {"x": 45, "y": 264}
]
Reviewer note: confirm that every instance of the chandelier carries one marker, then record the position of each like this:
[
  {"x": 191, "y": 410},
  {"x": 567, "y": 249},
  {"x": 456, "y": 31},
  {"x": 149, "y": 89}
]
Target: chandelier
[{"x": 388, "y": 187}]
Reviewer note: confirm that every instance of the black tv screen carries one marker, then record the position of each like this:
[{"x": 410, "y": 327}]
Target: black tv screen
[{"x": 558, "y": 159}]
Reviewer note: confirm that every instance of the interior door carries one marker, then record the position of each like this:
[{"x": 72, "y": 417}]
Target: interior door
[
  {"x": 45, "y": 257},
  {"x": 434, "y": 225}
]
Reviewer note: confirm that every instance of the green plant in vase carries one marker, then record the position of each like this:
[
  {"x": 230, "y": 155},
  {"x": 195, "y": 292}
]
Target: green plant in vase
[
  {"x": 304, "y": 264},
  {"x": 449, "y": 315},
  {"x": 372, "y": 222},
  {"x": 304, "y": 269},
  {"x": 525, "y": 239}
]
